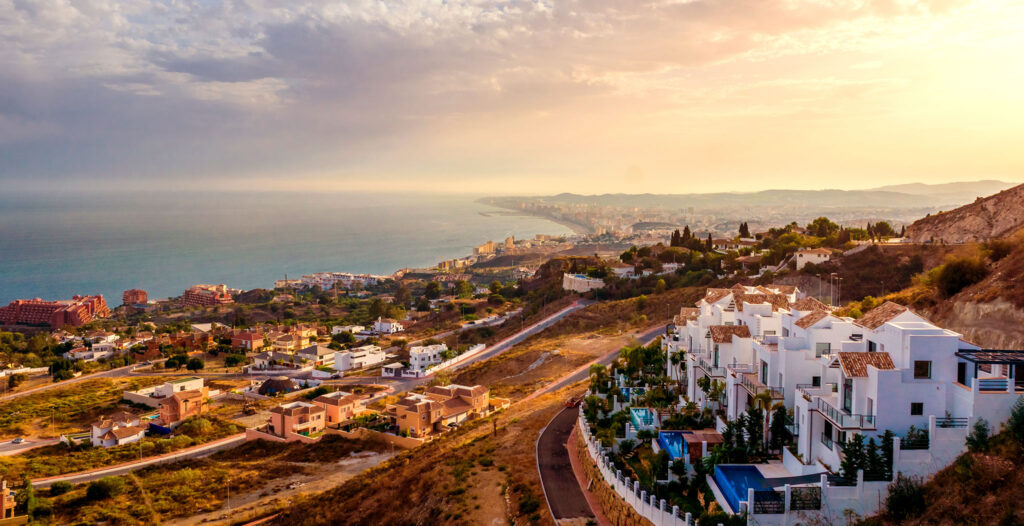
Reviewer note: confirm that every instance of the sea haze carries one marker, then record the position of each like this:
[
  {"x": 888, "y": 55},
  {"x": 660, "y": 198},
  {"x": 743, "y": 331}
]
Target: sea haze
[{"x": 54, "y": 246}]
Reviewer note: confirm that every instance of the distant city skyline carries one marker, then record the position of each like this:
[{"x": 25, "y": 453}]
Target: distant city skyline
[{"x": 520, "y": 97}]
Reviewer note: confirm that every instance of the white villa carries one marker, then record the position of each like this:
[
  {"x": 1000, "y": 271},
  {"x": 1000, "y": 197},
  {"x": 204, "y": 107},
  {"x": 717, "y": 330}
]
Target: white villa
[
  {"x": 422, "y": 358},
  {"x": 889, "y": 370},
  {"x": 816, "y": 256},
  {"x": 358, "y": 358},
  {"x": 117, "y": 429},
  {"x": 387, "y": 326}
]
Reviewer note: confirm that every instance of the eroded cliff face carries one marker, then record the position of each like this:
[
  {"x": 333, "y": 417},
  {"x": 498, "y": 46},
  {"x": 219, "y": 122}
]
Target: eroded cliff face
[
  {"x": 996, "y": 324},
  {"x": 994, "y": 216}
]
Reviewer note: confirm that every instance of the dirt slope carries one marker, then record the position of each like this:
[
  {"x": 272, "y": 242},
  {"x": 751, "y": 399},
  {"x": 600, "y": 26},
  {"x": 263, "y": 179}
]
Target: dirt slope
[{"x": 991, "y": 217}]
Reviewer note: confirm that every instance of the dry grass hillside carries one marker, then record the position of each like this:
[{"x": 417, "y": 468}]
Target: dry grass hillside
[{"x": 482, "y": 474}]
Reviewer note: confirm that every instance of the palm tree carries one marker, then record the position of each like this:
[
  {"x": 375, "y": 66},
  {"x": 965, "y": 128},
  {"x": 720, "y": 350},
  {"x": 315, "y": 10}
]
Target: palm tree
[{"x": 763, "y": 400}]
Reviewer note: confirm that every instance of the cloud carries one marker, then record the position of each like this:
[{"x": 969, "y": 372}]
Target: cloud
[{"x": 153, "y": 89}]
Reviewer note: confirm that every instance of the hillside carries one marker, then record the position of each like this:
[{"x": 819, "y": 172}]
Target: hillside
[{"x": 992, "y": 217}]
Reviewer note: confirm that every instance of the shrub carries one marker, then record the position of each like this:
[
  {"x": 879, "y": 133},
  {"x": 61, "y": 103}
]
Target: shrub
[
  {"x": 957, "y": 274},
  {"x": 104, "y": 488},
  {"x": 60, "y": 488},
  {"x": 528, "y": 504},
  {"x": 977, "y": 440},
  {"x": 998, "y": 249},
  {"x": 1016, "y": 421},
  {"x": 906, "y": 498}
]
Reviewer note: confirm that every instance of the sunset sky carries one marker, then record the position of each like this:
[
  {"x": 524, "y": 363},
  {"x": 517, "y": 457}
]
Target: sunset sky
[{"x": 587, "y": 96}]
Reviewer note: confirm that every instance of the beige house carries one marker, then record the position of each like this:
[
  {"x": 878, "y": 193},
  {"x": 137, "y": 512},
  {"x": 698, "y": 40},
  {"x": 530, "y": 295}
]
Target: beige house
[
  {"x": 296, "y": 421},
  {"x": 439, "y": 409},
  {"x": 340, "y": 406}
]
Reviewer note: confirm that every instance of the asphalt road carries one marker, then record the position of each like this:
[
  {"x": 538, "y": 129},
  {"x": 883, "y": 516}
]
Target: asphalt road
[
  {"x": 8, "y": 447},
  {"x": 562, "y": 491},
  {"x": 194, "y": 452}
]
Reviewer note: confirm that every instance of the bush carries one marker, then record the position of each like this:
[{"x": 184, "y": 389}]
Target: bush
[
  {"x": 958, "y": 274},
  {"x": 906, "y": 498},
  {"x": 998, "y": 249},
  {"x": 1016, "y": 421},
  {"x": 104, "y": 488},
  {"x": 977, "y": 440},
  {"x": 60, "y": 488}
]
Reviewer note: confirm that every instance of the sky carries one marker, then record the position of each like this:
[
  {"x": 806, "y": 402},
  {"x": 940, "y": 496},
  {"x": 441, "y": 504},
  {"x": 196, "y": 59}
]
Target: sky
[{"x": 514, "y": 97}]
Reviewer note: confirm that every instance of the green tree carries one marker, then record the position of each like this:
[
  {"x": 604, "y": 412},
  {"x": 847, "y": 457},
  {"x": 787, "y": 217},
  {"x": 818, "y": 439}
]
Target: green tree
[
  {"x": 26, "y": 498},
  {"x": 433, "y": 290},
  {"x": 744, "y": 230},
  {"x": 104, "y": 488},
  {"x": 402, "y": 295},
  {"x": 195, "y": 364},
  {"x": 1016, "y": 422},
  {"x": 906, "y": 498},
  {"x": 958, "y": 274},
  {"x": 60, "y": 487},
  {"x": 822, "y": 227},
  {"x": 463, "y": 289},
  {"x": 977, "y": 440},
  {"x": 854, "y": 458},
  {"x": 874, "y": 462}
]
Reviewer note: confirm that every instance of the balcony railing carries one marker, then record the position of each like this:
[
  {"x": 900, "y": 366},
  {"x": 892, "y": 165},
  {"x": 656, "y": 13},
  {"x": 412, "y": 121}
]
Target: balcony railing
[
  {"x": 844, "y": 419},
  {"x": 827, "y": 440},
  {"x": 712, "y": 371},
  {"x": 750, "y": 382},
  {"x": 951, "y": 422},
  {"x": 741, "y": 368}
]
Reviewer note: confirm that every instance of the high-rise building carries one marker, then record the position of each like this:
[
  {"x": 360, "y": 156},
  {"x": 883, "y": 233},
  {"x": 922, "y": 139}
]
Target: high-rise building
[
  {"x": 134, "y": 297},
  {"x": 75, "y": 312},
  {"x": 206, "y": 295}
]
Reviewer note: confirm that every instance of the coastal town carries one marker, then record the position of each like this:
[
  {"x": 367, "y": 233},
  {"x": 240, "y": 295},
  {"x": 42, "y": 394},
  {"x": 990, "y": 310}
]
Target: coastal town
[{"x": 751, "y": 378}]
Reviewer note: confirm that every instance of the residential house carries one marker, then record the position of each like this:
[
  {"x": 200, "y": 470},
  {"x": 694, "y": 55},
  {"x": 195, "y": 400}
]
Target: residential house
[
  {"x": 296, "y": 421},
  {"x": 291, "y": 342},
  {"x": 117, "y": 429},
  {"x": 358, "y": 358},
  {"x": 8, "y": 503},
  {"x": 152, "y": 396},
  {"x": 354, "y": 329},
  {"x": 265, "y": 360},
  {"x": 387, "y": 326},
  {"x": 439, "y": 409},
  {"x": 580, "y": 282},
  {"x": 182, "y": 405},
  {"x": 318, "y": 355},
  {"x": 816, "y": 256},
  {"x": 422, "y": 358},
  {"x": 248, "y": 341},
  {"x": 340, "y": 406}
]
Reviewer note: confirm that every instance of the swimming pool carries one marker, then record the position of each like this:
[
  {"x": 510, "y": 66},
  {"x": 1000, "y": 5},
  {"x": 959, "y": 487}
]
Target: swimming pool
[
  {"x": 734, "y": 480},
  {"x": 629, "y": 392},
  {"x": 642, "y": 417},
  {"x": 673, "y": 442}
]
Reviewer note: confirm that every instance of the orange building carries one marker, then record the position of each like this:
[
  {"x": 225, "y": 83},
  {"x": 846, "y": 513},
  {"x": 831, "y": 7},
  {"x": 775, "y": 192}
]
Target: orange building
[
  {"x": 182, "y": 405},
  {"x": 7, "y": 502},
  {"x": 75, "y": 312},
  {"x": 134, "y": 297},
  {"x": 296, "y": 418},
  {"x": 439, "y": 409},
  {"x": 340, "y": 406},
  {"x": 206, "y": 295}
]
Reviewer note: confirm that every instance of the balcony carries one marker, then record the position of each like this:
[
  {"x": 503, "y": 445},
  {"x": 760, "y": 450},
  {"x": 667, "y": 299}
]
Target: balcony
[
  {"x": 741, "y": 368},
  {"x": 808, "y": 391},
  {"x": 769, "y": 343},
  {"x": 714, "y": 372},
  {"x": 843, "y": 419},
  {"x": 750, "y": 382}
]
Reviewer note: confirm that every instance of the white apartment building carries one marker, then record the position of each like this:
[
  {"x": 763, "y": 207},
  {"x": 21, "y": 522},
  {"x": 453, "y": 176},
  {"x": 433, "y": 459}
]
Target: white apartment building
[
  {"x": 422, "y": 358},
  {"x": 358, "y": 358},
  {"x": 327, "y": 280},
  {"x": 354, "y": 329},
  {"x": 889, "y": 370}
]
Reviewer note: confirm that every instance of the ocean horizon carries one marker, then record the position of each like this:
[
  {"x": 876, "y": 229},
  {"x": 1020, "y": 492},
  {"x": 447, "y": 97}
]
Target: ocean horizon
[{"x": 53, "y": 246}]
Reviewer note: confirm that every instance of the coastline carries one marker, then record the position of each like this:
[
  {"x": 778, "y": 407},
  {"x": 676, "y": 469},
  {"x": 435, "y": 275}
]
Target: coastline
[{"x": 577, "y": 228}]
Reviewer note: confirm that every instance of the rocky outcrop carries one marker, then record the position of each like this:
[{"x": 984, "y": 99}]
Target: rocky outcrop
[
  {"x": 987, "y": 218},
  {"x": 996, "y": 324}
]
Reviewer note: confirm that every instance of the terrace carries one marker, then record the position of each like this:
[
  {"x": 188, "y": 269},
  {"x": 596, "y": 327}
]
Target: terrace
[
  {"x": 754, "y": 386},
  {"x": 843, "y": 419}
]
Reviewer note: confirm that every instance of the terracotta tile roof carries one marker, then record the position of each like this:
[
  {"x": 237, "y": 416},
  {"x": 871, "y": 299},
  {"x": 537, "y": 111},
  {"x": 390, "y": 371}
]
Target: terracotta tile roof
[
  {"x": 455, "y": 406},
  {"x": 123, "y": 432},
  {"x": 724, "y": 333},
  {"x": 715, "y": 295},
  {"x": 855, "y": 364},
  {"x": 881, "y": 314},
  {"x": 778, "y": 301},
  {"x": 811, "y": 319},
  {"x": 808, "y": 304},
  {"x": 784, "y": 289},
  {"x": 815, "y": 251},
  {"x": 339, "y": 399},
  {"x": 686, "y": 314}
]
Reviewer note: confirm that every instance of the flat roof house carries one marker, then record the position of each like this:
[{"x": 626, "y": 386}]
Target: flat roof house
[
  {"x": 296, "y": 421},
  {"x": 340, "y": 406}
]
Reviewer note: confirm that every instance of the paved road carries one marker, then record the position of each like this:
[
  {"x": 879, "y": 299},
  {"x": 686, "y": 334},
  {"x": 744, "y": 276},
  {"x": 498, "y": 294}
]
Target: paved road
[
  {"x": 8, "y": 448},
  {"x": 561, "y": 489},
  {"x": 111, "y": 373},
  {"x": 120, "y": 469}
]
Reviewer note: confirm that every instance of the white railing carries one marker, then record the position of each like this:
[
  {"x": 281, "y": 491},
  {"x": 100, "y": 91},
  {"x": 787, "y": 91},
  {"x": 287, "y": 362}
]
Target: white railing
[{"x": 646, "y": 505}]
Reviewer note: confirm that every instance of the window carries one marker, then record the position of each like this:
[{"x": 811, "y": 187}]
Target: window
[
  {"x": 872, "y": 346},
  {"x": 916, "y": 408},
  {"x": 848, "y": 394},
  {"x": 842, "y": 437},
  {"x": 815, "y": 381},
  {"x": 922, "y": 369},
  {"x": 821, "y": 348}
]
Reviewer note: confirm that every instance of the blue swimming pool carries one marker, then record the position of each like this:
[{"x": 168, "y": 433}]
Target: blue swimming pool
[
  {"x": 642, "y": 417},
  {"x": 673, "y": 442},
  {"x": 628, "y": 393},
  {"x": 734, "y": 480}
]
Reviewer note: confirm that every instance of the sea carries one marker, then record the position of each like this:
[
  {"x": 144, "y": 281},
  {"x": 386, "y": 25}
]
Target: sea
[{"x": 53, "y": 246}]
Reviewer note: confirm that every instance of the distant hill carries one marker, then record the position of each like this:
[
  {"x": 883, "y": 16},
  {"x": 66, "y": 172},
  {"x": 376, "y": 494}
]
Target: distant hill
[
  {"x": 987, "y": 218},
  {"x": 963, "y": 189}
]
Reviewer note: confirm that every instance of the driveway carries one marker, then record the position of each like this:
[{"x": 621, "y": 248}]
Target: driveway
[{"x": 561, "y": 489}]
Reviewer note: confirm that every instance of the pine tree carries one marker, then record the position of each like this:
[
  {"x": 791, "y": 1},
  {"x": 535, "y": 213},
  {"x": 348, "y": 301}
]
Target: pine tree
[
  {"x": 708, "y": 244},
  {"x": 853, "y": 458},
  {"x": 887, "y": 452},
  {"x": 686, "y": 233},
  {"x": 744, "y": 229},
  {"x": 874, "y": 468},
  {"x": 903, "y": 231},
  {"x": 676, "y": 239}
]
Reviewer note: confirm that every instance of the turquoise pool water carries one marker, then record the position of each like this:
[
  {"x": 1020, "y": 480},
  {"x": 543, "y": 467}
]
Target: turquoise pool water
[
  {"x": 734, "y": 480},
  {"x": 673, "y": 442},
  {"x": 642, "y": 417}
]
